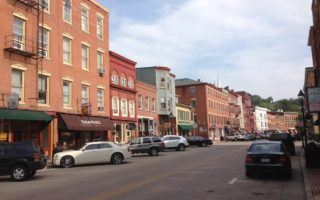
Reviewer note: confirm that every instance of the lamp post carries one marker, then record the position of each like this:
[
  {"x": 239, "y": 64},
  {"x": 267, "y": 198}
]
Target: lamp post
[
  {"x": 171, "y": 122},
  {"x": 301, "y": 96}
]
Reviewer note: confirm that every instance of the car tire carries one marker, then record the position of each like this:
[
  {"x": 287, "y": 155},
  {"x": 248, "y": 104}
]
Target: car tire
[
  {"x": 32, "y": 173},
  {"x": 154, "y": 152},
  {"x": 67, "y": 162},
  {"x": 19, "y": 173},
  {"x": 181, "y": 147},
  {"x": 117, "y": 159}
]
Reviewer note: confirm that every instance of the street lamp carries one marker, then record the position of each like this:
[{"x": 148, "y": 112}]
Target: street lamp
[
  {"x": 301, "y": 96},
  {"x": 171, "y": 122}
]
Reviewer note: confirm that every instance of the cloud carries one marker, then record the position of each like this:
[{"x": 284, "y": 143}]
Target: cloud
[{"x": 258, "y": 46}]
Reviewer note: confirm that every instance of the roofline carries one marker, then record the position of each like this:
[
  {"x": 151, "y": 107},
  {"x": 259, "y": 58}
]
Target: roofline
[
  {"x": 100, "y": 6},
  {"x": 116, "y": 55}
]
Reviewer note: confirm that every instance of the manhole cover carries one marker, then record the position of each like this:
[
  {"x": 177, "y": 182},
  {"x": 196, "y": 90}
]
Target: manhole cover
[{"x": 257, "y": 193}]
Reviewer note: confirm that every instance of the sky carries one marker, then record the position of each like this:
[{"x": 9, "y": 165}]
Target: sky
[{"x": 259, "y": 46}]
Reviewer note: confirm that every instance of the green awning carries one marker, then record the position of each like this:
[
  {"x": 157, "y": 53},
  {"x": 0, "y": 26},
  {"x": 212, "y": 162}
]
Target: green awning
[
  {"x": 185, "y": 127},
  {"x": 24, "y": 115}
]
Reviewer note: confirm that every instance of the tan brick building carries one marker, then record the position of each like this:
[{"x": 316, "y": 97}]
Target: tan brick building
[{"x": 55, "y": 57}]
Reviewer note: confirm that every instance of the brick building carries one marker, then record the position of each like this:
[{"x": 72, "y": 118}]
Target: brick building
[
  {"x": 147, "y": 109},
  {"x": 55, "y": 65},
  {"x": 248, "y": 118},
  {"x": 290, "y": 121},
  {"x": 234, "y": 111},
  {"x": 210, "y": 105},
  {"x": 123, "y": 97},
  {"x": 275, "y": 121}
]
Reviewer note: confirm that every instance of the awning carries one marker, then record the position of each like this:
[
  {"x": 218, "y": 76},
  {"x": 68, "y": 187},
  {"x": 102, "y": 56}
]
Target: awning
[
  {"x": 84, "y": 123},
  {"x": 24, "y": 115},
  {"x": 185, "y": 127}
]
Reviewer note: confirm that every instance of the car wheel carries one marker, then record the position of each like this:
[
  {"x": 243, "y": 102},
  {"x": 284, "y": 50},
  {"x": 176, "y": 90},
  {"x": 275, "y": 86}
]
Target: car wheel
[
  {"x": 116, "y": 159},
  {"x": 249, "y": 174},
  {"x": 19, "y": 173},
  {"x": 32, "y": 173},
  {"x": 203, "y": 144},
  {"x": 181, "y": 147},
  {"x": 67, "y": 162},
  {"x": 154, "y": 152}
]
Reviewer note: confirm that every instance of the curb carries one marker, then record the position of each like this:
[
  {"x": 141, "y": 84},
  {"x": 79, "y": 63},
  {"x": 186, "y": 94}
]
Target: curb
[{"x": 308, "y": 192}]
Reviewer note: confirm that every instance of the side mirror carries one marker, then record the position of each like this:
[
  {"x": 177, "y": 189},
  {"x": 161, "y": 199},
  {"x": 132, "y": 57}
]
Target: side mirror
[{"x": 83, "y": 149}]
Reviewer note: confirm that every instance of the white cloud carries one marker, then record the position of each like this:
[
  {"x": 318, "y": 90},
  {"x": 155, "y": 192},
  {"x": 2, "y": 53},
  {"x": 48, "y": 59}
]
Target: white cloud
[{"x": 258, "y": 46}]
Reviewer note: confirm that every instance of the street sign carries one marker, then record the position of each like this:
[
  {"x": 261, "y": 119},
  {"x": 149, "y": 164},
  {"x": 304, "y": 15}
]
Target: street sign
[
  {"x": 313, "y": 97},
  {"x": 13, "y": 101}
]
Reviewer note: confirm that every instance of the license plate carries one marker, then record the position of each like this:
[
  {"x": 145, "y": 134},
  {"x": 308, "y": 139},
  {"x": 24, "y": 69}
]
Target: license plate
[{"x": 265, "y": 160}]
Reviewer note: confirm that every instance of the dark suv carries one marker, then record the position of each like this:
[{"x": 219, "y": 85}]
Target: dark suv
[
  {"x": 151, "y": 145},
  {"x": 20, "y": 160},
  {"x": 286, "y": 139}
]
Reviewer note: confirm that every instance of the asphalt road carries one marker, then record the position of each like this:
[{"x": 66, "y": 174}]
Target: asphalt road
[{"x": 215, "y": 172}]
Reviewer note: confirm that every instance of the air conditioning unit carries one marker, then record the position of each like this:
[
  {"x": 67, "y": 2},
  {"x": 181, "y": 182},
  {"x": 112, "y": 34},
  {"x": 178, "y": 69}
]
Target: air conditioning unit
[
  {"x": 43, "y": 53},
  {"x": 18, "y": 45},
  {"x": 101, "y": 71}
]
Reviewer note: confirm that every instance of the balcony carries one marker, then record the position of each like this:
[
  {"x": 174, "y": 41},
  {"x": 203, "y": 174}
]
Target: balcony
[{"x": 19, "y": 45}]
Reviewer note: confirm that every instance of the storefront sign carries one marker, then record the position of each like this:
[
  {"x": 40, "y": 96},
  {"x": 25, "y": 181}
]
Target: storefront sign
[
  {"x": 313, "y": 95},
  {"x": 167, "y": 125},
  {"x": 91, "y": 122}
]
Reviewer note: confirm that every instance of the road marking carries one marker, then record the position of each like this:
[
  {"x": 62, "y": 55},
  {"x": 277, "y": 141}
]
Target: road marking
[{"x": 233, "y": 181}]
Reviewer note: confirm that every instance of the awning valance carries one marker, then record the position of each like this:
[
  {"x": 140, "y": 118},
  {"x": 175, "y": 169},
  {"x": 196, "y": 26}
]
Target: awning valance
[
  {"x": 84, "y": 123},
  {"x": 27, "y": 115},
  {"x": 185, "y": 127}
]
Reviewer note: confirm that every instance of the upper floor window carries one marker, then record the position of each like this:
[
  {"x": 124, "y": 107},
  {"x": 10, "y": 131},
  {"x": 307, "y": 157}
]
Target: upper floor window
[
  {"x": 67, "y": 12},
  {"x": 123, "y": 82},
  {"x": 131, "y": 109},
  {"x": 163, "y": 103},
  {"x": 147, "y": 103},
  {"x": 100, "y": 60},
  {"x": 115, "y": 106},
  {"x": 43, "y": 89},
  {"x": 85, "y": 57},
  {"x": 115, "y": 79},
  {"x": 100, "y": 99},
  {"x": 153, "y": 106},
  {"x": 193, "y": 90},
  {"x": 131, "y": 83},
  {"x": 162, "y": 83},
  {"x": 84, "y": 94},
  {"x": 43, "y": 42},
  {"x": 140, "y": 101},
  {"x": 99, "y": 27},
  {"x": 17, "y": 83},
  {"x": 45, "y": 4},
  {"x": 19, "y": 33},
  {"x": 67, "y": 46},
  {"x": 124, "y": 108},
  {"x": 84, "y": 19},
  {"x": 66, "y": 93}
]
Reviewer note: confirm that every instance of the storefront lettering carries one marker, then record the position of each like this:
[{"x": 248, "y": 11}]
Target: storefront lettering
[{"x": 91, "y": 122}]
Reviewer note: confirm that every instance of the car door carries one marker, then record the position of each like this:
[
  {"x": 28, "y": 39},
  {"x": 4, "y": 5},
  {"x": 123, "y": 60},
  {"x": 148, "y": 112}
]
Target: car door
[
  {"x": 6, "y": 155},
  {"x": 105, "y": 152},
  {"x": 146, "y": 144},
  {"x": 135, "y": 145},
  {"x": 174, "y": 142},
  {"x": 89, "y": 154}
]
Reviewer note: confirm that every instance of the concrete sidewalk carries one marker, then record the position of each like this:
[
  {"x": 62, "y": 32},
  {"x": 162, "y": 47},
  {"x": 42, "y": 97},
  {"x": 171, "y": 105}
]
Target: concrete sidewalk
[{"x": 311, "y": 179}]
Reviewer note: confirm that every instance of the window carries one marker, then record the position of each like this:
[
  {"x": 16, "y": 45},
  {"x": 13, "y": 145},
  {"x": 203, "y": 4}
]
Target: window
[
  {"x": 146, "y": 140},
  {"x": 193, "y": 90},
  {"x": 67, "y": 50},
  {"x": 92, "y": 147},
  {"x": 140, "y": 101},
  {"x": 100, "y": 60},
  {"x": 100, "y": 99},
  {"x": 43, "y": 89},
  {"x": 84, "y": 94},
  {"x": 43, "y": 42},
  {"x": 99, "y": 27},
  {"x": 66, "y": 93},
  {"x": 124, "y": 108},
  {"x": 85, "y": 57},
  {"x": 115, "y": 106},
  {"x": 163, "y": 104},
  {"x": 162, "y": 83},
  {"x": 131, "y": 83},
  {"x": 67, "y": 11},
  {"x": 147, "y": 103},
  {"x": 153, "y": 106},
  {"x": 45, "y": 5},
  {"x": 84, "y": 19},
  {"x": 131, "y": 109},
  {"x": 123, "y": 82},
  {"x": 193, "y": 103},
  {"x": 17, "y": 83},
  {"x": 115, "y": 79},
  {"x": 105, "y": 146},
  {"x": 18, "y": 33}
]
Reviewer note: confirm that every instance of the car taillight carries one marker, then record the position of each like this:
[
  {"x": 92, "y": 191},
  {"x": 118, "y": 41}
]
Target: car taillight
[
  {"x": 36, "y": 156},
  {"x": 249, "y": 159},
  {"x": 284, "y": 159}
]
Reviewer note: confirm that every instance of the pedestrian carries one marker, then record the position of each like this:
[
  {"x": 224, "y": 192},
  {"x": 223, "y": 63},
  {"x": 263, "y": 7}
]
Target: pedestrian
[{"x": 57, "y": 148}]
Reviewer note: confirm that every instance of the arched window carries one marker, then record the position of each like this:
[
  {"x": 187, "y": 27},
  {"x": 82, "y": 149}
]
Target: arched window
[
  {"x": 114, "y": 78},
  {"x": 123, "y": 80},
  {"x": 131, "y": 83}
]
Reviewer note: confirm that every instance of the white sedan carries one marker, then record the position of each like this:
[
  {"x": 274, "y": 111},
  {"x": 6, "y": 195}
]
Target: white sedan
[{"x": 92, "y": 153}]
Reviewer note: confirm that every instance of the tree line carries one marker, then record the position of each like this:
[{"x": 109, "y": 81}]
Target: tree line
[{"x": 286, "y": 105}]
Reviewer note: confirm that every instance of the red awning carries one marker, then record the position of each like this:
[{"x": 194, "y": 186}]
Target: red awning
[{"x": 84, "y": 123}]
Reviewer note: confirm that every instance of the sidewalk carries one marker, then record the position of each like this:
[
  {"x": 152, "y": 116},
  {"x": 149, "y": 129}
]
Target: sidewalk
[{"x": 311, "y": 179}]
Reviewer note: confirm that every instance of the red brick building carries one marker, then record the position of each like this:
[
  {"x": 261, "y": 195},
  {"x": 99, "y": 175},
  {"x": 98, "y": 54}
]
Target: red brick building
[
  {"x": 123, "y": 97},
  {"x": 276, "y": 121},
  {"x": 210, "y": 104},
  {"x": 234, "y": 111},
  {"x": 147, "y": 109},
  {"x": 55, "y": 64},
  {"x": 248, "y": 117},
  {"x": 291, "y": 120}
]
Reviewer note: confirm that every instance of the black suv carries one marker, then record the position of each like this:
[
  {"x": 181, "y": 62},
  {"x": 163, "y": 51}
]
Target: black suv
[
  {"x": 286, "y": 139},
  {"x": 21, "y": 160},
  {"x": 151, "y": 145}
]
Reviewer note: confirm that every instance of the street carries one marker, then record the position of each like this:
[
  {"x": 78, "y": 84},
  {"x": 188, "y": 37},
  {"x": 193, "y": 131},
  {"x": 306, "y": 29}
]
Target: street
[{"x": 215, "y": 172}]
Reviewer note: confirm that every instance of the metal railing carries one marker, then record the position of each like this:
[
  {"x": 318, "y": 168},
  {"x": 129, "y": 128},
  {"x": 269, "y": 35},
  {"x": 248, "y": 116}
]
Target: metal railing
[{"x": 19, "y": 44}]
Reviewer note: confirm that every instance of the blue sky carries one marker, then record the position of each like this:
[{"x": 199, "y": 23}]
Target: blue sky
[{"x": 257, "y": 46}]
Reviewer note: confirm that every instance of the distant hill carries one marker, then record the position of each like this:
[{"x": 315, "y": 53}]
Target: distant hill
[{"x": 287, "y": 105}]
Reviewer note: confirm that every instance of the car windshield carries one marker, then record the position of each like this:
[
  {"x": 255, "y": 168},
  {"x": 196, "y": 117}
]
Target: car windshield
[{"x": 265, "y": 148}]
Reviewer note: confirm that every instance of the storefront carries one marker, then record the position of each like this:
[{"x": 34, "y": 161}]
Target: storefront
[
  {"x": 76, "y": 130},
  {"x": 147, "y": 126},
  {"x": 185, "y": 129},
  {"x": 25, "y": 125},
  {"x": 124, "y": 131}
]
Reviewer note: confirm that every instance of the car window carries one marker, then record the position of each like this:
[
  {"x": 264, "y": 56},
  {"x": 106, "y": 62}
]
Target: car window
[
  {"x": 92, "y": 147},
  {"x": 265, "y": 148},
  {"x": 25, "y": 148},
  {"x": 156, "y": 139},
  {"x": 165, "y": 138},
  {"x": 146, "y": 140},
  {"x": 105, "y": 146},
  {"x": 174, "y": 138},
  {"x": 6, "y": 150},
  {"x": 136, "y": 141}
]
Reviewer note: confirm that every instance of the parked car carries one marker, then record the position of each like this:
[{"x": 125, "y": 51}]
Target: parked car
[
  {"x": 230, "y": 137},
  {"x": 92, "y": 153},
  {"x": 240, "y": 137},
  {"x": 249, "y": 137},
  {"x": 199, "y": 141},
  {"x": 21, "y": 160},
  {"x": 175, "y": 142},
  {"x": 151, "y": 145},
  {"x": 267, "y": 157},
  {"x": 287, "y": 140}
]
